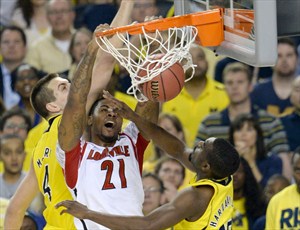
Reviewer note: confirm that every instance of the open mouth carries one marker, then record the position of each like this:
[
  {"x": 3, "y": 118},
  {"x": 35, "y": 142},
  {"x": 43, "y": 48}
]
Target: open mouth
[{"x": 109, "y": 124}]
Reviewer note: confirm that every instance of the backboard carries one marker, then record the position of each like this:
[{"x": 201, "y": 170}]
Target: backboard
[{"x": 250, "y": 28}]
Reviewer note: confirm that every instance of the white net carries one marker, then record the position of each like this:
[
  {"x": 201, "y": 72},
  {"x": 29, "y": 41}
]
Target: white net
[{"x": 160, "y": 48}]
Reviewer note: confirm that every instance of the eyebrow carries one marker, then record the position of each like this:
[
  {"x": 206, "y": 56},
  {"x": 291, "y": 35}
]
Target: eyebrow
[{"x": 104, "y": 106}]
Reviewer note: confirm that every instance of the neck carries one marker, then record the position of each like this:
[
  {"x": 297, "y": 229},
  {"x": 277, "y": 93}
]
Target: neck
[
  {"x": 11, "y": 178},
  {"x": 98, "y": 141},
  {"x": 63, "y": 36},
  {"x": 283, "y": 85},
  {"x": 279, "y": 79},
  {"x": 195, "y": 86},
  {"x": 239, "y": 108},
  {"x": 11, "y": 65}
]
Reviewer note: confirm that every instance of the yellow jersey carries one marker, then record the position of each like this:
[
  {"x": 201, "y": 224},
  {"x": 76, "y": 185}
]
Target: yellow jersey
[
  {"x": 283, "y": 211},
  {"x": 219, "y": 211},
  {"x": 51, "y": 179}
]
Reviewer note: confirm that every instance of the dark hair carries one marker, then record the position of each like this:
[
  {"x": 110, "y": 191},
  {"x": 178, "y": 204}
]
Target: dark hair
[
  {"x": 16, "y": 111},
  {"x": 289, "y": 42},
  {"x": 41, "y": 95},
  {"x": 26, "y": 8},
  {"x": 167, "y": 159},
  {"x": 11, "y": 136},
  {"x": 255, "y": 205},
  {"x": 236, "y": 67},
  {"x": 83, "y": 30},
  {"x": 94, "y": 105},
  {"x": 223, "y": 158},
  {"x": 14, "y": 28},
  {"x": 238, "y": 124},
  {"x": 155, "y": 177}
]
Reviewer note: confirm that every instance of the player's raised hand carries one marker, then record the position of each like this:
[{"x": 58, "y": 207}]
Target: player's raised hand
[{"x": 121, "y": 108}]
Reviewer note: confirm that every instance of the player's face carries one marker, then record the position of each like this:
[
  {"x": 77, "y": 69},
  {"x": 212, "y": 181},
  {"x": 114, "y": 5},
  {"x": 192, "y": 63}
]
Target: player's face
[
  {"x": 246, "y": 136},
  {"x": 295, "y": 95},
  {"x": 153, "y": 194},
  {"x": 61, "y": 88},
  {"x": 201, "y": 151},
  {"x": 107, "y": 122},
  {"x": 297, "y": 173},
  {"x": 12, "y": 154},
  {"x": 171, "y": 171},
  {"x": 287, "y": 60},
  {"x": 16, "y": 125},
  {"x": 239, "y": 178},
  {"x": 237, "y": 87}
]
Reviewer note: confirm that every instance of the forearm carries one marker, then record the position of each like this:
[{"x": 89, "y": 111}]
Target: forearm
[
  {"x": 164, "y": 140},
  {"x": 117, "y": 222},
  {"x": 105, "y": 62},
  {"x": 74, "y": 116}
]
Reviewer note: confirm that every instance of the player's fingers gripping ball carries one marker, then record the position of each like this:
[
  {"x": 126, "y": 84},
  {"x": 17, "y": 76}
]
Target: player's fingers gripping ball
[{"x": 166, "y": 85}]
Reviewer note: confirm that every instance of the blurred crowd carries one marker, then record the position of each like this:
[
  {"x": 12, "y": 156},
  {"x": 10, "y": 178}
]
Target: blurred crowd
[{"x": 256, "y": 109}]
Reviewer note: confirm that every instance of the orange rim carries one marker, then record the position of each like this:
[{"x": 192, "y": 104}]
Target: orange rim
[{"x": 209, "y": 23}]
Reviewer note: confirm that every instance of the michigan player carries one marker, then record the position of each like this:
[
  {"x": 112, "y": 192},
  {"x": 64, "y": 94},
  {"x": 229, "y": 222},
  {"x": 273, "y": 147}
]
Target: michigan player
[
  {"x": 208, "y": 203},
  {"x": 49, "y": 99}
]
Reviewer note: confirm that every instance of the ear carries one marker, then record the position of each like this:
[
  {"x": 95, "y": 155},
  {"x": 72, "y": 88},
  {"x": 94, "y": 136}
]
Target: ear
[
  {"x": 90, "y": 120},
  {"x": 180, "y": 135},
  {"x": 205, "y": 166},
  {"x": 52, "y": 107}
]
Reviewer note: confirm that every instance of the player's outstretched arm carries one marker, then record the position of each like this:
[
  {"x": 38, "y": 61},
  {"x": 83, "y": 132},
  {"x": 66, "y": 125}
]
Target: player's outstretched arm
[
  {"x": 105, "y": 62},
  {"x": 164, "y": 140},
  {"x": 190, "y": 203},
  {"x": 74, "y": 116},
  {"x": 21, "y": 200}
]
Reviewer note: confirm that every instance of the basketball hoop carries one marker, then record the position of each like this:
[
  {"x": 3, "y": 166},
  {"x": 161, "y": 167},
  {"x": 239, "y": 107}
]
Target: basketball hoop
[{"x": 171, "y": 37}]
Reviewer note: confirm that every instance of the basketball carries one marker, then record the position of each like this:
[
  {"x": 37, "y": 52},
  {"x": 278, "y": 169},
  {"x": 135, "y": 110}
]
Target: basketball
[{"x": 164, "y": 86}]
